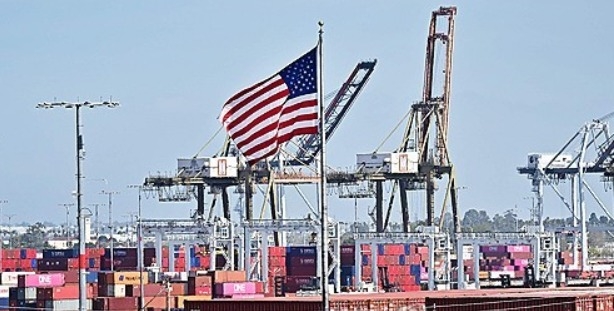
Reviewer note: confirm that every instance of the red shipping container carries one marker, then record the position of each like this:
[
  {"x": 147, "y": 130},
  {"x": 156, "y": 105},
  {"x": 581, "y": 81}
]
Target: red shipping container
[
  {"x": 25, "y": 263},
  {"x": 202, "y": 291},
  {"x": 301, "y": 261},
  {"x": 73, "y": 263},
  {"x": 30, "y": 253},
  {"x": 365, "y": 248},
  {"x": 115, "y": 303},
  {"x": 150, "y": 290},
  {"x": 260, "y": 287},
  {"x": 275, "y": 261},
  {"x": 65, "y": 292},
  {"x": 278, "y": 271},
  {"x": 423, "y": 250},
  {"x": 277, "y": 251},
  {"x": 71, "y": 277}
]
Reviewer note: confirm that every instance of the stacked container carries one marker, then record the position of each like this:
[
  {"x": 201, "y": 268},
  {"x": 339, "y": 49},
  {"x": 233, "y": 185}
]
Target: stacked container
[
  {"x": 498, "y": 260},
  {"x": 20, "y": 259},
  {"x": 301, "y": 266},
  {"x": 406, "y": 264},
  {"x": 232, "y": 284},
  {"x": 277, "y": 267}
]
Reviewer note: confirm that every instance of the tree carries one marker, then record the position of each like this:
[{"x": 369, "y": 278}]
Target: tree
[
  {"x": 35, "y": 236},
  {"x": 478, "y": 221}
]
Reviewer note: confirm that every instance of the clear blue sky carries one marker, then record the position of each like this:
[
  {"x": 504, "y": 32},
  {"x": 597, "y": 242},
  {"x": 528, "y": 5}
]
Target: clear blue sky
[{"x": 527, "y": 75}]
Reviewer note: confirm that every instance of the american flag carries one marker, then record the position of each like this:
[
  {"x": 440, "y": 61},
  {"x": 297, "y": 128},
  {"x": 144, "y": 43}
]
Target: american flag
[{"x": 262, "y": 117}]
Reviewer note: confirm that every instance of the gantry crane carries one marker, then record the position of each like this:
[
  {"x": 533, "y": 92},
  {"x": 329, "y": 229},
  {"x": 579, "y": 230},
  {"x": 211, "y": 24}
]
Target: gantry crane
[
  {"x": 426, "y": 134},
  {"x": 192, "y": 178},
  {"x": 589, "y": 151}
]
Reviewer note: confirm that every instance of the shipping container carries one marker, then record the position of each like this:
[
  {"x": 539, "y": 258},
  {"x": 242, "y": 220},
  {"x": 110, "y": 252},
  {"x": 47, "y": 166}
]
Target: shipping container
[
  {"x": 65, "y": 304},
  {"x": 107, "y": 303},
  {"x": 123, "y": 277},
  {"x": 61, "y": 253},
  {"x": 230, "y": 289},
  {"x": 10, "y": 278},
  {"x": 47, "y": 280}
]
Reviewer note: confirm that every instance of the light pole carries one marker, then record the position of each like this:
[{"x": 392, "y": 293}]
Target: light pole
[
  {"x": 140, "y": 255},
  {"x": 534, "y": 213},
  {"x": 110, "y": 194},
  {"x": 96, "y": 222},
  {"x": 2, "y": 202},
  {"x": 66, "y": 226},
  {"x": 10, "y": 216},
  {"x": 79, "y": 157}
]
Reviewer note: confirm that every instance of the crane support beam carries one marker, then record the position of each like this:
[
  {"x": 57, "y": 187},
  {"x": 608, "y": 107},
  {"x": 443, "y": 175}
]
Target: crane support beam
[{"x": 336, "y": 110}]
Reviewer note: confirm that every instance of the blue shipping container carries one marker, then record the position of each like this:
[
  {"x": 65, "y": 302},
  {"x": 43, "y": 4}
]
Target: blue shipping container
[
  {"x": 92, "y": 262},
  {"x": 61, "y": 253},
  {"x": 197, "y": 262},
  {"x": 365, "y": 260},
  {"x": 300, "y": 251},
  {"x": 4, "y": 302},
  {"x": 91, "y": 277},
  {"x": 415, "y": 270},
  {"x": 23, "y": 253},
  {"x": 34, "y": 263},
  {"x": 380, "y": 249},
  {"x": 192, "y": 252},
  {"x": 402, "y": 260},
  {"x": 407, "y": 249}
]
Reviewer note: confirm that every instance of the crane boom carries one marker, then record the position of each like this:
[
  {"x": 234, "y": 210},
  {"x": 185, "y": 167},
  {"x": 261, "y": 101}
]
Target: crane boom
[{"x": 336, "y": 110}]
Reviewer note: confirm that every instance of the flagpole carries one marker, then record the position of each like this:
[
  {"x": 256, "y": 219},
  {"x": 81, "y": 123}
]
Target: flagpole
[{"x": 323, "y": 205}]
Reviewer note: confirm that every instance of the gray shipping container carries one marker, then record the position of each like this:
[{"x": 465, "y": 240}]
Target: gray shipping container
[
  {"x": 30, "y": 293},
  {"x": 66, "y": 305}
]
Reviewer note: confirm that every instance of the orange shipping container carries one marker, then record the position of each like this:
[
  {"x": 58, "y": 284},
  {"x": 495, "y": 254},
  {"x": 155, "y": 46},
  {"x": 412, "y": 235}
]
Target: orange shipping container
[
  {"x": 178, "y": 289},
  {"x": 126, "y": 277},
  {"x": 180, "y": 300}
]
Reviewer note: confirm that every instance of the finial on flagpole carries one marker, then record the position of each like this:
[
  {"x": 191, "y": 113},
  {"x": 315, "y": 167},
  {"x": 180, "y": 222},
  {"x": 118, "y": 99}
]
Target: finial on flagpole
[{"x": 321, "y": 25}]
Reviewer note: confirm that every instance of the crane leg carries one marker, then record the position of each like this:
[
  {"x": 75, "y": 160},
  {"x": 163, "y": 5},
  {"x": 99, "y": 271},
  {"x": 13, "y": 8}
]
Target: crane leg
[
  {"x": 379, "y": 206},
  {"x": 404, "y": 205}
]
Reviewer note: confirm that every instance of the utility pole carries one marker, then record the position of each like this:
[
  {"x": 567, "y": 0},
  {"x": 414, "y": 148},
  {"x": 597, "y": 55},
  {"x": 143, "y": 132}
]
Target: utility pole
[
  {"x": 10, "y": 216},
  {"x": 79, "y": 157},
  {"x": 140, "y": 255},
  {"x": 110, "y": 194},
  {"x": 67, "y": 207},
  {"x": 97, "y": 222}
]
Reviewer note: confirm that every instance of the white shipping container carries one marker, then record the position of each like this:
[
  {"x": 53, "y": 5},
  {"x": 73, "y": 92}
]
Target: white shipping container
[
  {"x": 116, "y": 290},
  {"x": 10, "y": 278},
  {"x": 541, "y": 160},
  {"x": 404, "y": 163},
  {"x": 66, "y": 305},
  {"x": 498, "y": 274},
  {"x": 177, "y": 276},
  {"x": 388, "y": 162},
  {"x": 30, "y": 293},
  {"x": 4, "y": 291},
  {"x": 222, "y": 167}
]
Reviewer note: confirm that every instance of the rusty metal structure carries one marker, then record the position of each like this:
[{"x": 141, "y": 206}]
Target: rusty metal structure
[{"x": 428, "y": 125}]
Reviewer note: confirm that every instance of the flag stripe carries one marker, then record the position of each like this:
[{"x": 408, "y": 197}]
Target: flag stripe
[
  {"x": 260, "y": 118},
  {"x": 244, "y": 104},
  {"x": 298, "y": 111}
]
